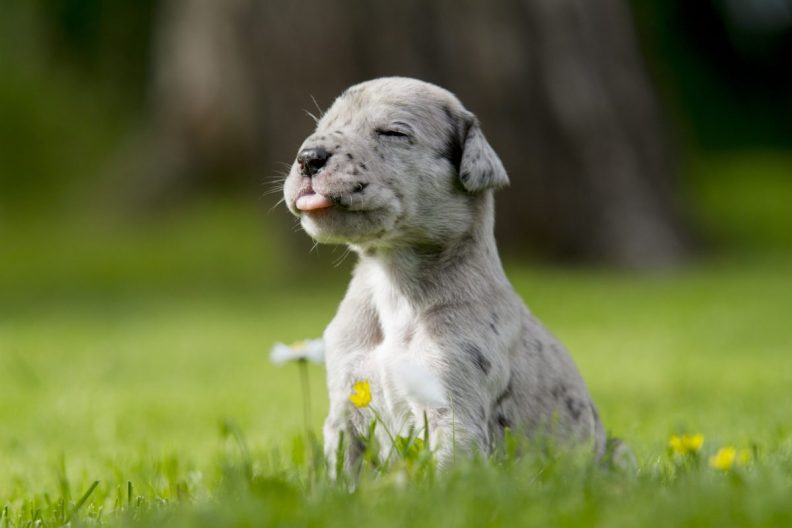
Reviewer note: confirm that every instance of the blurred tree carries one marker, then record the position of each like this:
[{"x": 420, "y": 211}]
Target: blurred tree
[
  {"x": 71, "y": 74},
  {"x": 559, "y": 85},
  {"x": 725, "y": 65},
  {"x": 108, "y": 41}
]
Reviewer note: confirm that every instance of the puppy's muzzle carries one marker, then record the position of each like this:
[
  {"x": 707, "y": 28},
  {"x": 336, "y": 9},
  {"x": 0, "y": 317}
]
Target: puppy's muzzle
[{"x": 312, "y": 160}]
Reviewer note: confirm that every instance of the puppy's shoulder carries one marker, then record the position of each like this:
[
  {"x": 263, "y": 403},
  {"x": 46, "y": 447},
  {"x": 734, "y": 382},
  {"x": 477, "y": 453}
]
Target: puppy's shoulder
[{"x": 356, "y": 324}]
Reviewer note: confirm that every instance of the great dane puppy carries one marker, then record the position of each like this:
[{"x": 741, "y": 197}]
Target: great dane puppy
[{"x": 401, "y": 172}]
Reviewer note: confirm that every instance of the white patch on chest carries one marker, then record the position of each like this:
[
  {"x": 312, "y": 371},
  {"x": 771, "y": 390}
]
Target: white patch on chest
[
  {"x": 399, "y": 321},
  {"x": 397, "y": 317}
]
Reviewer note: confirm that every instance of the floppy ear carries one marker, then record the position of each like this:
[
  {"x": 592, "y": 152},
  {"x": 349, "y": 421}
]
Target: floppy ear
[{"x": 480, "y": 168}]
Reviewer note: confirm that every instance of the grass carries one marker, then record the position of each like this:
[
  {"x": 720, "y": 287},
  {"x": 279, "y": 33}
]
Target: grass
[{"x": 137, "y": 358}]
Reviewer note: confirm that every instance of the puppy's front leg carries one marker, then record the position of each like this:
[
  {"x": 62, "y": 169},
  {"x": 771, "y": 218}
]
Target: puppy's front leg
[
  {"x": 464, "y": 358},
  {"x": 459, "y": 430},
  {"x": 340, "y": 440},
  {"x": 351, "y": 335}
]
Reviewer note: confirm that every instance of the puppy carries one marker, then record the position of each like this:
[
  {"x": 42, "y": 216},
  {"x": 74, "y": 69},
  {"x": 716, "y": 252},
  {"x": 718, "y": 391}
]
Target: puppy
[{"x": 401, "y": 172}]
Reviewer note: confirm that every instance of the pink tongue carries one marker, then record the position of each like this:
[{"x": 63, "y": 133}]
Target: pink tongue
[{"x": 309, "y": 202}]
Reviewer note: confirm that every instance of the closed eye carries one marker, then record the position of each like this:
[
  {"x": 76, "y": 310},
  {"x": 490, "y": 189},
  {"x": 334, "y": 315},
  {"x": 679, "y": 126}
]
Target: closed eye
[{"x": 391, "y": 133}]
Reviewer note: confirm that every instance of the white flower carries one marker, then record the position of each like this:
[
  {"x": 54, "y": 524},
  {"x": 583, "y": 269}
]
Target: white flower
[
  {"x": 418, "y": 384},
  {"x": 308, "y": 350}
]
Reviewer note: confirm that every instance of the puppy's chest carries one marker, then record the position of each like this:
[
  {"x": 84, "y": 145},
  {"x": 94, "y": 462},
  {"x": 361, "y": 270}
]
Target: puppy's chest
[
  {"x": 399, "y": 322},
  {"x": 398, "y": 319}
]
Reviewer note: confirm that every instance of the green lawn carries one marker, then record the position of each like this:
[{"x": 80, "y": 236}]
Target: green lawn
[{"x": 124, "y": 351}]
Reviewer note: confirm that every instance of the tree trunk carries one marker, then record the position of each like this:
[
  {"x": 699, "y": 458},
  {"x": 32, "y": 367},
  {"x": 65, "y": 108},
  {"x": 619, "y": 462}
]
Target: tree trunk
[{"x": 559, "y": 86}]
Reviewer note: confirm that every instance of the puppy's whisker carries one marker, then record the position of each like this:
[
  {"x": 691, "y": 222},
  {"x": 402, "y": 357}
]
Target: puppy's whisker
[
  {"x": 282, "y": 200},
  {"x": 342, "y": 258},
  {"x": 268, "y": 186},
  {"x": 321, "y": 112},
  {"x": 270, "y": 192},
  {"x": 276, "y": 180}
]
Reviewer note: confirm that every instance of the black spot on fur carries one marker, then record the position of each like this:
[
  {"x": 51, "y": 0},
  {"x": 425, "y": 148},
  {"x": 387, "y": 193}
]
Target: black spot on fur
[
  {"x": 382, "y": 157},
  {"x": 355, "y": 172},
  {"x": 559, "y": 391},
  {"x": 363, "y": 166},
  {"x": 338, "y": 146},
  {"x": 358, "y": 446},
  {"x": 449, "y": 115},
  {"x": 360, "y": 187},
  {"x": 505, "y": 394},
  {"x": 574, "y": 407},
  {"x": 504, "y": 422},
  {"x": 465, "y": 176},
  {"x": 594, "y": 412},
  {"x": 478, "y": 358},
  {"x": 350, "y": 156},
  {"x": 494, "y": 323}
]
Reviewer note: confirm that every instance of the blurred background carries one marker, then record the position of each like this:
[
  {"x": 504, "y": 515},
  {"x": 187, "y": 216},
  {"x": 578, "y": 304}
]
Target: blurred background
[
  {"x": 145, "y": 269},
  {"x": 603, "y": 112}
]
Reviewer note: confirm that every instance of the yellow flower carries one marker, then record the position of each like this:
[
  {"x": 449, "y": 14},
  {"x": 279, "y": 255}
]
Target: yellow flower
[
  {"x": 361, "y": 396},
  {"x": 726, "y": 457},
  {"x": 723, "y": 459},
  {"x": 686, "y": 444}
]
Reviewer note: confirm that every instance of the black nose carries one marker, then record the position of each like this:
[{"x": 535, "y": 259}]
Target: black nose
[{"x": 313, "y": 159}]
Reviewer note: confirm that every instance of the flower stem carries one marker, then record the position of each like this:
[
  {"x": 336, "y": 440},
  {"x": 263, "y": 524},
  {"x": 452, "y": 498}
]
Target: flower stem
[
  {"x": 385, "y": 427},
  {"x": 453, "y": 432},
  {"x": 379, "y": 419},
  {"x": 306, "y": 390},
  {"x": 426, "y": 429}
]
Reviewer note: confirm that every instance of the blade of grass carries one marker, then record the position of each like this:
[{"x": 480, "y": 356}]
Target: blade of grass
[{"x": 82, "y": 500}]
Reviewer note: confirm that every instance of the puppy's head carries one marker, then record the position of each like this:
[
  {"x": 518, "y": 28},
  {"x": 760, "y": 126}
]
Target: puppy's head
[{"x": 393, "y": 161}]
